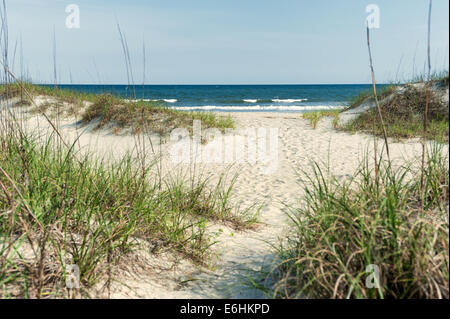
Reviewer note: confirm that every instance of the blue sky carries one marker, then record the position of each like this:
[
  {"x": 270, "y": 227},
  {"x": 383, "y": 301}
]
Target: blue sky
[{"x": 227, "y": 41}]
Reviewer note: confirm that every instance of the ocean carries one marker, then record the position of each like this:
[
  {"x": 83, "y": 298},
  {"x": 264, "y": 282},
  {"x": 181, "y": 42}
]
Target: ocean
[{"x": 238, "y": 98}]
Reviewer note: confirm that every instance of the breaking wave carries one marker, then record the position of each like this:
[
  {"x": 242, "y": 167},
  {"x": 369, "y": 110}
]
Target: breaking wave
[{"x": 259, "y": 108}]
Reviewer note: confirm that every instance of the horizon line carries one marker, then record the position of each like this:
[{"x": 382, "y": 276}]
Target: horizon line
[{"x": 207, "y": 84}]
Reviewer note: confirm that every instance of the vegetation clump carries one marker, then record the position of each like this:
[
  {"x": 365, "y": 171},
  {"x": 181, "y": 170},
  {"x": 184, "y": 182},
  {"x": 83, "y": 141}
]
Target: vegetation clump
[
  {"x": 315, "y": 117},
  {"x": 345, "y": 232},
  {"x": 58, "y": 210},
  {"x": 112, "y": 111},
  {"x": 403, "y": 113},
  {"x": 152, "y": 116}
]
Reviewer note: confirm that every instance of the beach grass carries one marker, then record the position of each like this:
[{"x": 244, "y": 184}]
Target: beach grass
[
  {"x": 435, "y": 77},
  {"x": 57, "y": 209},
  {"x": 367, "y": 95},
  {"x": 345, "y": 231},
  {"x": 111, "y": 110},
  {"x": 441, "y": 77},
  {"x": 315, "y": 117},
  {"x": 153, "y": 115},
  {"x": 403, "y": 115},
  {"x": 15, "y": 89}
]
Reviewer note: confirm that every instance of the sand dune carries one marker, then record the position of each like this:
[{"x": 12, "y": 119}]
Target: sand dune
[{"x": 238, "y": 253}]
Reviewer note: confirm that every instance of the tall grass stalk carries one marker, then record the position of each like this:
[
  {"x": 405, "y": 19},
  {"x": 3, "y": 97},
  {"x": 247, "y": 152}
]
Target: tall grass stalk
[
  {"x": 427, "y": 100},
  {"x": 378, "y": 107},
  {"x": 128, "y": 65}
]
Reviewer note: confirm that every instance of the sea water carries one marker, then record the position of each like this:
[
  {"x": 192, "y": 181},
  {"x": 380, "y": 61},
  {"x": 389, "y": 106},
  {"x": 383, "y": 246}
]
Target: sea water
[{"x": 236, "y": 98}]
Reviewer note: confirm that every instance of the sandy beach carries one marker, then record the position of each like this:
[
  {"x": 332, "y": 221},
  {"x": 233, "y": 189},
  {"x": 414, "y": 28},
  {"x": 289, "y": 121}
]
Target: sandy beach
[{"x": 237, "y": 254}]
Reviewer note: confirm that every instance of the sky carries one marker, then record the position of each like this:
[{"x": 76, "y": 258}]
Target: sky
[{"x": 225, "y": 41}]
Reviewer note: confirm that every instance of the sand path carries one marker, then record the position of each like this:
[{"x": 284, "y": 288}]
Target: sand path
[{"x": 243, "y": 254}]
